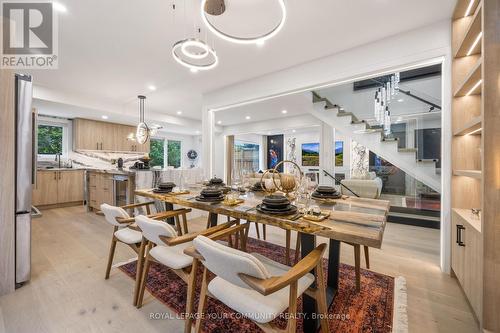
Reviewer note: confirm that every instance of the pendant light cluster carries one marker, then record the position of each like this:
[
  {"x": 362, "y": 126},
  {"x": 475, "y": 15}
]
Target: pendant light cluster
[
  {"x": 383, "y": 97},
  {"x": 196, "y": 54}
]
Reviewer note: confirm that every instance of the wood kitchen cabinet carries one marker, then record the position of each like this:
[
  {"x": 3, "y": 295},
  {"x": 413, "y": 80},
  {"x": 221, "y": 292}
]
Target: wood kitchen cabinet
[
  {"x": 99, "y": 135},
  {"x": 100, "y": 189},
  {"x": 58, "y": 187}
]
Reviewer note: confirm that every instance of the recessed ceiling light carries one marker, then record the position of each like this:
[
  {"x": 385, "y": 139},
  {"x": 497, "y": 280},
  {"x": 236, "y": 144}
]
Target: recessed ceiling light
[
  {"x": 179, "y": 112},
  {"x": 260, "y": 43},
  {"x": 293, "y": 131},
  {"x": 104, "y": 117},
  {"x": 401, "y": 100},
  {"x": 197, "y": 132},
  {"x": 59, "y": 7},
  {"x": 194, "y": 70},
  {"x": 284, "y": 111},
  {"x": 219, "y": 122},
  {"x": 152, "y": 88},
  {"x": 247, "y": 117}
]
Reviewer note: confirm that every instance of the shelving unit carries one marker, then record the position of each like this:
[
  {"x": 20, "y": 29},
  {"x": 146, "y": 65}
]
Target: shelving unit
[{"x": 467, "y": 158}]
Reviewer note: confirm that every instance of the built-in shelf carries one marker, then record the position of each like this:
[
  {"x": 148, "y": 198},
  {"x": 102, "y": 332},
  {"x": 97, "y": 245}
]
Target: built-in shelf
[
  {"x": 468, "y": 173},
  {"x": 461, "y": 8},
  {"x": 466, "y": 214},
  {"x": 471, "y": 127},
  {"x": 470, "y": 36},
  {"x": 470, "y": 81}
]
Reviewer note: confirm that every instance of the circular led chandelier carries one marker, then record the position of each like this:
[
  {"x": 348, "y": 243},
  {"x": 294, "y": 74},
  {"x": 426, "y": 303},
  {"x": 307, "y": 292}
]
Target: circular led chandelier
[
  {"x": 243, "y": 40},
  {"x": 194, "y": 54}
]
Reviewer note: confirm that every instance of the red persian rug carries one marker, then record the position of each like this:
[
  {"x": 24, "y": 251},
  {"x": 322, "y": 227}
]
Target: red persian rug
[{"x": 369, "y": 310}]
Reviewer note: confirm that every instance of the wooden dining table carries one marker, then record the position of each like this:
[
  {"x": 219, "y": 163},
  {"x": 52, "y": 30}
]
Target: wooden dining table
[{"x": 352, "y": 220}]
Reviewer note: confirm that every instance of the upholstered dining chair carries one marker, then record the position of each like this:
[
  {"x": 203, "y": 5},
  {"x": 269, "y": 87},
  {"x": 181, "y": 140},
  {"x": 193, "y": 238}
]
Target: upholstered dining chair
[
  {"x": 257, "y": 287},
  {"x": 125, "y": 232},
  {"x": 167, "y": 248}
]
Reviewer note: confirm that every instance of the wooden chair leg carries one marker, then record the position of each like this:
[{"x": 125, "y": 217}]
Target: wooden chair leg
[
  {"x": 321, "y": 298},
  {"x": 111, "y": 255},
  {"x": 178, "y": 225},
  {"x": 291, "y": 326},
  {"x": 138, "y": 273},
  {"x": 367, "y": 257},
  {"x": 184, "y": 223},
  {"x": 357, "y": 265},
  {"x": 287, "y": 246},
  {"x": 264, "y": 233},
  {"x": 257, "y": 229},
  {"x": 147, "y": 263},
  {"x": 297, "y": 249},
  {"x": 202, "y": 304},
  {"x": 190, "y": 297}
]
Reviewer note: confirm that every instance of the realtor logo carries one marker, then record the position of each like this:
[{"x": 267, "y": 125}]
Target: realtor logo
[{"x": 29, "y": 39}]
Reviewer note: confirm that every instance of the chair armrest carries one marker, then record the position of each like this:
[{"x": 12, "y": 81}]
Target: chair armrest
[
  {"x": 275, "y": 283},
  {"x": 158, "y": 216},
  {"x": 226, "y": 232},
  {"x": 192, "y": 252},
  {"x": 135, "y": 205},
  {"x": 172, "y": 241}
]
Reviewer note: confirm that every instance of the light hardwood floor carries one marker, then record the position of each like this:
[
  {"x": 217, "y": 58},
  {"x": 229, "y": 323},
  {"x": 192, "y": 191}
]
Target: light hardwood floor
[{"x": 68, "y": 292}]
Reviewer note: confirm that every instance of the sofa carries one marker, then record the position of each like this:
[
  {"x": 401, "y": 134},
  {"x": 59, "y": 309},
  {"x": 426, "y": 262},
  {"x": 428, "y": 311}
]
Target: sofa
[{"x": 366, "y": 185}]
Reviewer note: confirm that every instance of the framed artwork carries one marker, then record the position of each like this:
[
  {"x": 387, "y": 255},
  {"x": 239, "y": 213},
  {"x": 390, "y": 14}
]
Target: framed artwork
[
  {"x": 339, "y": 153},
  {"x": 310, "y": 154},
  {"x": 275, "y": 151}
]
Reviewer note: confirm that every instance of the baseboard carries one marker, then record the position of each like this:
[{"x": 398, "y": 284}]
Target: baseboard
[{"x": 60, "y": 205}]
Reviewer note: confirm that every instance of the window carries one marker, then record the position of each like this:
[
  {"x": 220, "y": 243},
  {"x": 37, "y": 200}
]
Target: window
[
  {"x": 157, "y": 152},
  {"x": 246, "y": 156},
  {"x": 50, "y": 139},
  {"x": 174, "y": 153}
]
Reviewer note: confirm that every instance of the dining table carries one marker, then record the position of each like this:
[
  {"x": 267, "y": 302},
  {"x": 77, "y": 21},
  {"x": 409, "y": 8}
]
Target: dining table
[{"x": 351, "y": 219}]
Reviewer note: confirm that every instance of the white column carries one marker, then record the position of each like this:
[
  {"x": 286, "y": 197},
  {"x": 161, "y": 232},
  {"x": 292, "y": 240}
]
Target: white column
[
  {"x": 207, "y": 137},
  {"x": 327, "y": 153}
]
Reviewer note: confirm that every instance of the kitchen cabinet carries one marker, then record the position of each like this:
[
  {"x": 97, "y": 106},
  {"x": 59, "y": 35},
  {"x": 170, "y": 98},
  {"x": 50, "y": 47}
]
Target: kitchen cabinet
[
  {"x": 98, "y": 135},
  {"x": 45, "y": 190},
  {"x": 100, "y": 190},
  {"x": 58, "y": 187}
]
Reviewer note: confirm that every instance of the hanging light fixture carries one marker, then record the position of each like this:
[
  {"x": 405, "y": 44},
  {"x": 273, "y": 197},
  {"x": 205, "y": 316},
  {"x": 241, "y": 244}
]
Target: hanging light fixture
[
  {"x": 387, "y": 91},
  {"x": 217, "y": 7},
  {"x": 142, "y": 132},
  {"x": 193, "y": 52}
]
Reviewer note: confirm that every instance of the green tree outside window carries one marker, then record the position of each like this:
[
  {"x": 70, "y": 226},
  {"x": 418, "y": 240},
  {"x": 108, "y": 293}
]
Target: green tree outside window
[
  {"x": 50, "y": 140},
  {"x": 174, "y": 153},
  {"x": 157, "y": 152}
]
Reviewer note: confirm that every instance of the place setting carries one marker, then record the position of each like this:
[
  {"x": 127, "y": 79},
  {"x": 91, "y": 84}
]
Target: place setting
[{"x": 169, "y": 188}]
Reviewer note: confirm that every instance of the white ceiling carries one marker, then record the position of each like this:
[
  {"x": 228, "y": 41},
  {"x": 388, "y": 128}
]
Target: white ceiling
[
  {"x": 113, "y": 50},
  {"x": 269, "y": 110}
]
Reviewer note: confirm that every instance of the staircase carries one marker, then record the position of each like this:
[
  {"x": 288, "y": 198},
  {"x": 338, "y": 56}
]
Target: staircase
[{"x": 373, "y": 138}]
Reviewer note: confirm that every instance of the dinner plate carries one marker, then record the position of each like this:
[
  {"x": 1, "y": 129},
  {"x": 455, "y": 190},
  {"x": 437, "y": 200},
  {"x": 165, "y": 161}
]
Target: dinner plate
[
  {"x": 163, "y": 191},
  {"x": 209, "y": 199},
  {"x": 292, "y": 210}
]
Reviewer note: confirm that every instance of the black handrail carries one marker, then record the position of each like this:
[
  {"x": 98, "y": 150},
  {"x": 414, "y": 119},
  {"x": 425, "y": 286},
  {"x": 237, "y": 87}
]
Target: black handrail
[{"x": 339, "y": 183}]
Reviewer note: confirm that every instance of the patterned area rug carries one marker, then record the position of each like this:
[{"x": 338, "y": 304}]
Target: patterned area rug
[{"x": 369, "y": 310}]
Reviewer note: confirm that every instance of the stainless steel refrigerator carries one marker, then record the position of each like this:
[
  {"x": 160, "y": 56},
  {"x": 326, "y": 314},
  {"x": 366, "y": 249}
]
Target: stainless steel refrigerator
[{"x": 26, "y": 155}]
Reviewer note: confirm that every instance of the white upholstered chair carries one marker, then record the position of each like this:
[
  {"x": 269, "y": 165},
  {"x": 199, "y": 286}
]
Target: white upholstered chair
[
  {"x": 258, "y": 287},
  {"x": 167, "y": 248},
  {"x": 125, "y": 232}
]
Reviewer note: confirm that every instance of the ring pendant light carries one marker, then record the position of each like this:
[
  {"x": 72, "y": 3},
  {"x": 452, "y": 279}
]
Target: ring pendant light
[
  {"x": 245, "y": 40},
  {"x": 177, "y": 54}
]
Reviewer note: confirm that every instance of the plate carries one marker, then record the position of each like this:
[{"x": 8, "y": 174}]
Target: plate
[
  {"x": 326, "y": 196},
  {"x": 291, "y": 211},
  {"x": 162, "y": 191},
  {"x": 210, "y": 199}
]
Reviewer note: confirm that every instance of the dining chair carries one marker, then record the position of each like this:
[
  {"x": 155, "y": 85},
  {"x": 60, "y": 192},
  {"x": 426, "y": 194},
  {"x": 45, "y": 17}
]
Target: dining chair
[
  {"x": 164, "y": 246},
  {"x": 257, "y": 287},
  {"x": 125, "y": 232}
]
